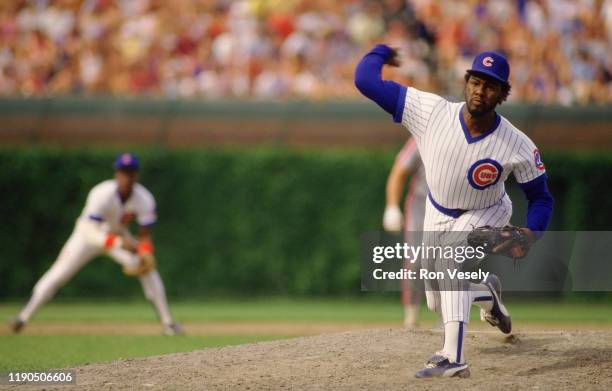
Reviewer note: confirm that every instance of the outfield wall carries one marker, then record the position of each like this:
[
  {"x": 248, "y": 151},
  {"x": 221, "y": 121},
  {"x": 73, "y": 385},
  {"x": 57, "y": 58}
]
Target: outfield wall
[
  {"x": 86, "y": 121},
  {"x": 240, "y": 221}
]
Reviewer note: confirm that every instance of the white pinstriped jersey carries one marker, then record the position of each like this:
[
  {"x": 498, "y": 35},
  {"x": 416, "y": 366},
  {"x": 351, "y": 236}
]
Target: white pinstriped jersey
[
  {"x": 104, "y": 205},
  {"x": 464, "y": 172},
  {"x": 410, "y": 159}
]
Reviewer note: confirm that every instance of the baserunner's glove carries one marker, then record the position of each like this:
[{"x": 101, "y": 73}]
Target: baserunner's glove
[{"x": 509, "y": 241}]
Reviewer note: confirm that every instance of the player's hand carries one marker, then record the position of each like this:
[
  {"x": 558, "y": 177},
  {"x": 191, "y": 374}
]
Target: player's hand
[
  {"x": 393, "y": 59},
  {"x": 129, "y": 243},
  {"x": 392, "y": 219}
]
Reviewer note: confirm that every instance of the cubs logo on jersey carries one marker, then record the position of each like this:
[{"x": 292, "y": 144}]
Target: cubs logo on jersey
[
  {"x": 484, "y": 173},
  {"x": 538, "y": 160}
]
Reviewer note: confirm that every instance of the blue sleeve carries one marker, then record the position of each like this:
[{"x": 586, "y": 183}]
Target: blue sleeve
[
  {"x": 387, "y": 94},
  {"x": 540, "y": 204}
]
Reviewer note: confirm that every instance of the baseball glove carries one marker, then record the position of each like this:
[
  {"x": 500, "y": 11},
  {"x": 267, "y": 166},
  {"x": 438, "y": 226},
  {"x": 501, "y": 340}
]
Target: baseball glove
[
  {"x": 146, "y": 264},
  {"x": 509, "y": 241}
]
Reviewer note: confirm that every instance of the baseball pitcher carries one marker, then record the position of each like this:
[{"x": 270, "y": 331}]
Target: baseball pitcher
[
  {"x": 468, "y": 151},
  {"x": 102, "y": 228}
]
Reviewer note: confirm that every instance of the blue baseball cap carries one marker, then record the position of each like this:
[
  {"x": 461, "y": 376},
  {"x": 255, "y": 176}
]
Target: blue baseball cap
[
  {"x": 491, "y": 64},
  {"x": 127, "y": 161}
]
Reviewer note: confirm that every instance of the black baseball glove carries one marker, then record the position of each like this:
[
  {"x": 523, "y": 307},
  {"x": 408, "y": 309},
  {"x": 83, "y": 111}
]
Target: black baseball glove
[{"x": 509, "y": 241}]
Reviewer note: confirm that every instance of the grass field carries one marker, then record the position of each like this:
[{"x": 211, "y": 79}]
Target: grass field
[{"x": 40, "y": 351}]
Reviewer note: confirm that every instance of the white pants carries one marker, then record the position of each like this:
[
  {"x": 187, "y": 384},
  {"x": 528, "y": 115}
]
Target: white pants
[
  {"x": 453, "y": 298},
  {"x": 76, "y": 253}
]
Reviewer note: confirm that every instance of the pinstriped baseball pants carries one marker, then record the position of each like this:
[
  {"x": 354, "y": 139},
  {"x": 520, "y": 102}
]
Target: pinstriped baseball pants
[{"x": 452, "y": 298}]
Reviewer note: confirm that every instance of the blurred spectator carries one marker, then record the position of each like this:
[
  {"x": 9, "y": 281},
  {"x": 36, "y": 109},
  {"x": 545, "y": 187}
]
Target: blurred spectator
[{"x": 560, "y": 50}]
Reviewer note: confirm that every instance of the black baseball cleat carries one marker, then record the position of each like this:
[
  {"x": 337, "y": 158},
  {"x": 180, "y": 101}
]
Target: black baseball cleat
[
  {"x": 16, "y": 325},
  {"x": 498, "y": 316},
  {"x": 440, "y": 366}
]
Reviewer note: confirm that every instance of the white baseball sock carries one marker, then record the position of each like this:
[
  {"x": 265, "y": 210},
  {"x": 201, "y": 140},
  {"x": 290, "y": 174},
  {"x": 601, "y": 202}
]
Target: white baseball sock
[{"x": 453, "y": 341}]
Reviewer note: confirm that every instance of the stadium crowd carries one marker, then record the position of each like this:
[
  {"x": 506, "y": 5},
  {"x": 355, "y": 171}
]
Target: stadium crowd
[{"x": 560, "y": 50}]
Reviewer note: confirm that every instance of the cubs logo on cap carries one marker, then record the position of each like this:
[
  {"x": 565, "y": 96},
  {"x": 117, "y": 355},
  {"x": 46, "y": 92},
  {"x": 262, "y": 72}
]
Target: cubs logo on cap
[
  {"x": 488, "y": 61},
  {"x": 484, "y": 173},
  {"x": 492, "y": 64},
  {"x": 126, "y": 161}
]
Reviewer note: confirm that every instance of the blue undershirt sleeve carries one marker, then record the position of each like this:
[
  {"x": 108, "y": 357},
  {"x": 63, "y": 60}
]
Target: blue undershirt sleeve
[
  {"x": 387, "y": 94},
  {"x": 540, "y": 204}
]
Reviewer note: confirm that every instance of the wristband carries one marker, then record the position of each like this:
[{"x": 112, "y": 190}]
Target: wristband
[
  {"x": 145, "y": 247},
  {"x": 110, "y": 241}
]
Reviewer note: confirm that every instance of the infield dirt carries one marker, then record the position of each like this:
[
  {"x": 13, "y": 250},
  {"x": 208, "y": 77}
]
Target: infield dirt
[{"x": 374, "y": 359}]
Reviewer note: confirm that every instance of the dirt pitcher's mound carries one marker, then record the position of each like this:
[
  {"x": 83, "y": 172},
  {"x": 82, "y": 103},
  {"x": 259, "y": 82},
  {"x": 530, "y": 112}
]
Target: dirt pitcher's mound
[{"x": 379, "y": 359}]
